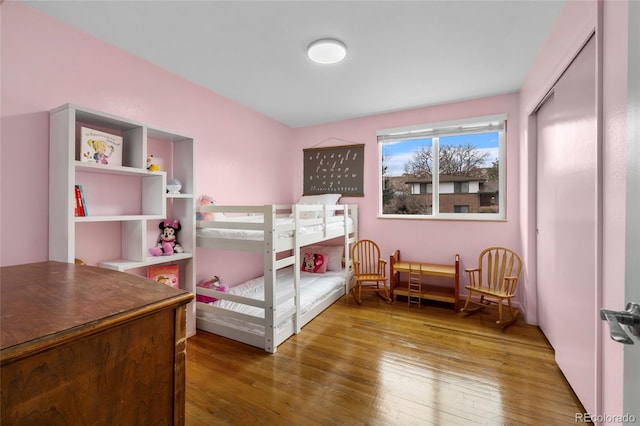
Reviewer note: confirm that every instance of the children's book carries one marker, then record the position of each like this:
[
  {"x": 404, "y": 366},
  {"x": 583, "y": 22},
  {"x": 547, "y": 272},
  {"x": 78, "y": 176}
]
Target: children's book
[
  {"x": 100, "y": 147},
  {"x": 165, "y": 274},
  {"x": 81, "y": 206},
  {"x": 83, "y": 202}
]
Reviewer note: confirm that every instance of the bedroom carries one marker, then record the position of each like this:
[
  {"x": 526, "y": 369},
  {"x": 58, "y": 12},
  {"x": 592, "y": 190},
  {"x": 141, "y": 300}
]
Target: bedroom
[{"x": 44, "y": 65}]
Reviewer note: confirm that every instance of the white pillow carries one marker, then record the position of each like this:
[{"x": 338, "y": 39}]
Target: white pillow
[
  {"x": 310, "y": 215},
  {"x": 333, "y": 253},
  {"x": 321, "y": 199}
]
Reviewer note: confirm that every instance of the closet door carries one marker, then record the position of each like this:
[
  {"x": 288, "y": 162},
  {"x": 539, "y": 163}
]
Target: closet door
[
  {"x": 567, "y": 223},
  {"x": 549, "y": 158}
]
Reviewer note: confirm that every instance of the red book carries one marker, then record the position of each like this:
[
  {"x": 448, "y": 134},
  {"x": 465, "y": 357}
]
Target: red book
[{"x": 79, "y": 210}]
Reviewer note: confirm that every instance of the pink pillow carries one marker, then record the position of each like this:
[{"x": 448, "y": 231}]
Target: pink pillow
[
  {"x": 315, "y": 263},
  {"x": 332, "y": 255}
]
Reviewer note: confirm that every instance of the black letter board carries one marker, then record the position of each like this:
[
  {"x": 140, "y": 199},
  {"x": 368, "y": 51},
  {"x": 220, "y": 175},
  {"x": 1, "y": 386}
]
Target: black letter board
[{"x": 334, "y": 170}]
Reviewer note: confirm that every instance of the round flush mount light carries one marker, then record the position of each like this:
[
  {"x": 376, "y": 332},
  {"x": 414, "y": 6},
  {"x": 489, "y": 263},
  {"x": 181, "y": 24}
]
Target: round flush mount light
[{"x": 327, "y": 51}]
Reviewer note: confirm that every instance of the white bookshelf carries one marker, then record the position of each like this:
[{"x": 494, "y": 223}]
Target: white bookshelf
[{"x": 138, "y": 229}]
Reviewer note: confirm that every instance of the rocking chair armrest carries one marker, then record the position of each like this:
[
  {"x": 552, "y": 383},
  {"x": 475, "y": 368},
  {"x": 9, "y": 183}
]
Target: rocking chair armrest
[
  {"x": 382, "y": 266},
  {"x": 474, "y": 276},
  {"x": 510, "y": 284}
]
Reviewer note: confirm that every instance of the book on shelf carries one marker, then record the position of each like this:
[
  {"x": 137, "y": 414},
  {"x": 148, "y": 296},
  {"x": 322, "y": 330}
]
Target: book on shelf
[
  {"x": 165, "y": 274},
  {"x": 100, "y": 147},
  {"x": 81, "y": 205},
  {"x": 83, "y": 201}
]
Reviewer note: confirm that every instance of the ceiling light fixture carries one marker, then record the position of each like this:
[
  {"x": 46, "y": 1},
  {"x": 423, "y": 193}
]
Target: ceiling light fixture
[{"x": 327, "y": 51}]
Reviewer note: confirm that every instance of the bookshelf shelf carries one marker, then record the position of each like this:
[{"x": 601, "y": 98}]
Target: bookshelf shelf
[
  {"x": 114, "y": 170},
  {"x": 125, "y": 264},
  {"x": 122, "y": 218},
  {"x": 141, "y": 195}
]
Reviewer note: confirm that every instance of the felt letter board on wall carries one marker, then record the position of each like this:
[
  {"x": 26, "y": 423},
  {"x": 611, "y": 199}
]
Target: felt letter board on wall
[{"x": 334, "y": 170}]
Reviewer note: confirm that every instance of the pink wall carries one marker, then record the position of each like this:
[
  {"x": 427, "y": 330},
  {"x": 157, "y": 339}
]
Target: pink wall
[
  {"x": 46, "y": 63},
  {"x": 577, "y": 21},
  {"x": 429, "y": 240},
  {"x": 261, "y": 174}
]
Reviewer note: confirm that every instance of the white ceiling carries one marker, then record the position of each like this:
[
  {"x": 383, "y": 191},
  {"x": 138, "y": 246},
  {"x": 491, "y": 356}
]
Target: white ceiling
[{"x": 402, "y": 54}]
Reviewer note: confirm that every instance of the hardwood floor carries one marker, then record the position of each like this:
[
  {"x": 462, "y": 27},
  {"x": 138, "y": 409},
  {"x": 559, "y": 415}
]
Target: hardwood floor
[{"x": 379, "y": 364}]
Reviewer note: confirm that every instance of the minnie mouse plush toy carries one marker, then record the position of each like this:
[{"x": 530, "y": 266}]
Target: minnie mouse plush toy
[{"x": 168, "y": 240}]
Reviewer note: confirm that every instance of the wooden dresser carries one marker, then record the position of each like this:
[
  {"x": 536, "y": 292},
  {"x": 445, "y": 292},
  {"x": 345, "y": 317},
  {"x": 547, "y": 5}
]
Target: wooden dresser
[{"x": 91, "y": 346}]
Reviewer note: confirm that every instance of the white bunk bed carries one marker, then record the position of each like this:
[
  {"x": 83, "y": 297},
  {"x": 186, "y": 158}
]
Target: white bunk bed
[{"x": 264, "y": 312}]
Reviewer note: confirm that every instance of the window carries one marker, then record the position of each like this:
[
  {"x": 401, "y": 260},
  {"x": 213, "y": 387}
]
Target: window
[
  {"x": 452, "y": 170},
  {"x": 420, "y": 188},
  {"x": 461, "y": 187}
]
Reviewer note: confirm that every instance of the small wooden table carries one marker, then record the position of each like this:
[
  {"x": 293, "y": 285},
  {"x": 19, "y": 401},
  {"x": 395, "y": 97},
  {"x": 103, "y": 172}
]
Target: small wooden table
[
  {"x": 87, "y": 345},
  {"x": 449, "y": 294}
]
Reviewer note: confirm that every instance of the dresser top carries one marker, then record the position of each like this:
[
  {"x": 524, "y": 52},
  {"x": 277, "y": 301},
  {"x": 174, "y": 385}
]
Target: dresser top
[{"x": 47, "y": 302}]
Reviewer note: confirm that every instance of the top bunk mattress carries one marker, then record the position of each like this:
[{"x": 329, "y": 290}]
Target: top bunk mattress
[{"x": 258, "y": 235}]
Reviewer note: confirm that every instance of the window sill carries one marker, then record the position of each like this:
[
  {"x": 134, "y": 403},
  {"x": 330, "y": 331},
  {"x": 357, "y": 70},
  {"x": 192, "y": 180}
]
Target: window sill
[{"x": 457, "y": 218}]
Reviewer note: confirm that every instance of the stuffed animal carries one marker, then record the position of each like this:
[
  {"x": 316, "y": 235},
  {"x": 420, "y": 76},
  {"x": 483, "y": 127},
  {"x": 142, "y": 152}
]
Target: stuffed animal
[
  {"x": 214, "y": 283},
  {"x": 205, "y": 200},
  {"x": 150, "y": 165},
  {"x": 168, "y": 240}
]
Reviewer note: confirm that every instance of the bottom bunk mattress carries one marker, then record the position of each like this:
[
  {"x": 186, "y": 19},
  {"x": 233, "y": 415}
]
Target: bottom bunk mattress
[{"x": 314, "y": 289}]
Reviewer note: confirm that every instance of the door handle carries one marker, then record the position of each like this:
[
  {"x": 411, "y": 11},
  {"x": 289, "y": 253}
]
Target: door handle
[{"x": 630, "y": 317}]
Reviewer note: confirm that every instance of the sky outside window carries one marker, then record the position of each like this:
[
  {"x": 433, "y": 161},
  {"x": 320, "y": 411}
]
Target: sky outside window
[{"x": 397, "y": 154}]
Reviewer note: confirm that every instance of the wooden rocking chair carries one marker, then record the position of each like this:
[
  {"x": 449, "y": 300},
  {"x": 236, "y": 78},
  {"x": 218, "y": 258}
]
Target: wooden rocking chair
[
  {"x": 369, "y": 271},
  {"x": 494, "y": 280}
]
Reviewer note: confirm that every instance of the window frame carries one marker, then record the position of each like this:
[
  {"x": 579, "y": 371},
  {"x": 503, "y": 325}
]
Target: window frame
[
  {"x": 461, "y": 187},
  {"x": 435, "y": 131}
]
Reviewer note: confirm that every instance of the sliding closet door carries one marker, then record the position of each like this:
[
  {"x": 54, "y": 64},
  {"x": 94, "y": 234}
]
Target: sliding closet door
[
  {"x": 567, "y": 223},
  {"x": 549, "y": 157}
]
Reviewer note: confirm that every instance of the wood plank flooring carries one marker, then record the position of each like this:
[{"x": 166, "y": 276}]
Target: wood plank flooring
[{"x": 379, "y": 364}]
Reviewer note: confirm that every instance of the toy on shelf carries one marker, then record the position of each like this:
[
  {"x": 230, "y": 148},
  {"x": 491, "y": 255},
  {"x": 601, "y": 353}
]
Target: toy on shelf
[
  {"x": 205, "y": 200},
  {"x": 168, "y": 240},
  {"x": 151, "y": 166},
  {"x": 174, "y": 186}
]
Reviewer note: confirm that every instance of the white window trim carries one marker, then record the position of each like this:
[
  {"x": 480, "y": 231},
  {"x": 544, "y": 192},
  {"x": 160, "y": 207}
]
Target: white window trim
[{"x": 434, "y": 130}]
